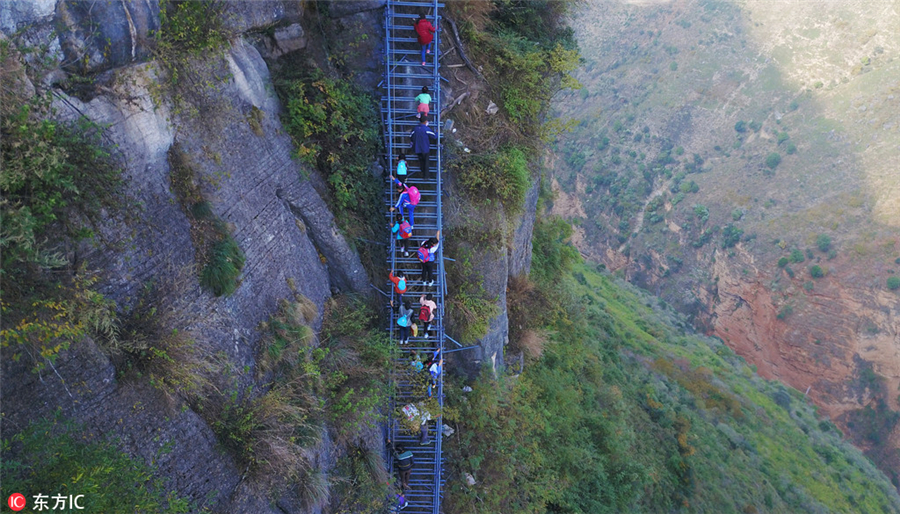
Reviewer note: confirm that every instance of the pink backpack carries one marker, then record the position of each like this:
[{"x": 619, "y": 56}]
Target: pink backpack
[{"x": 414, "y": 195}]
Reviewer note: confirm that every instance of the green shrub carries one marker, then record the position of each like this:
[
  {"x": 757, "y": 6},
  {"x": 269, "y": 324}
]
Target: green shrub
[
  {"x": 731, "y": 235},
  {"x": 823, "y": 242},
  {"x": 49, "y": 167},
  {"x": 773, "y": 160},
  {"x": 335, "y": 128},
  {"x": 782, "y": 137},
  {"x": 754, "y": 126},
  {"x": 785, "y": 311},
  {"x": 782, "y": 262},
  {"x": 893, "y": 283},
  {"x": 221, "y": 273},
  {"x": 531, "y": 55},
  {"x": 816, "y": 271},
  {"x": 55, "y": 176},
  {"x": 702, "y": 212},
  {"x": 553, "y": 254},
  {"x": 790, "y": 149},
  {"x": 740, "y": 126},
  {"x": 796, "y": 256},
  {"x": 56, "y": 457},
  {"x": 190, "y": 26},
  {"x": 504, "y": 175},
  {"x": 737, "y": 214}
]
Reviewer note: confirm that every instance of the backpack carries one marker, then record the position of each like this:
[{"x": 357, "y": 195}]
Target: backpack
[
  {"x": 405, "y": 456},
  {"x": 414, "y": 195},
  {"x": 425, "y": 313},
  {"x": 401, "y": 168},
  {"x": 425, "y": 255},
  {"x": 401, "y": 285},
  {"x": 403, "y": 321},
  {"x": 405, "y": 230}
]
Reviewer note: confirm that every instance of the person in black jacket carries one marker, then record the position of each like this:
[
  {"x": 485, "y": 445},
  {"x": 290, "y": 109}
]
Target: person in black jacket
[
  {"x": 420, "y": 143},
  {"x": 405, "y": 461}
]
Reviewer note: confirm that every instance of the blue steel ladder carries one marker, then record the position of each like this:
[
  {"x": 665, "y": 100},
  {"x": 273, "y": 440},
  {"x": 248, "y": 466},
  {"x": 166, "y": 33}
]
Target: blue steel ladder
[{"x": 404, "y": 76}]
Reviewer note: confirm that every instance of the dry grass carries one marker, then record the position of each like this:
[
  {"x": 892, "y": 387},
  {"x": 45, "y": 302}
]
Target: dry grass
[
  {"x": 531, "y": 343},
  {"x": 289, "y": 333},
  {"x": 154, "y": 341},
  {"x": 471, "y": 14}
]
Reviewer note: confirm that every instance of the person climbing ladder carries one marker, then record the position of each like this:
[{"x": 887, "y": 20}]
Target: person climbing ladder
[
  {"x": 404, "y": 231},
  {"x": 404, "y": 319},
  {"x": 420, "y": 143},
  {"x": 426, "y": 257},
  {"x": 427, "y": 310},
  {"x": 409, "y": 198},
  {"x": 423, "y": 103},
  {"x": 425, "y": 33}
]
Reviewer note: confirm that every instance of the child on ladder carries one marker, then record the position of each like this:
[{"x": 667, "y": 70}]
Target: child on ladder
[
  {"x": 401, "y": 165},
  {"x": 426, "y": 257},
  {"x": 425, "y": 33},
  {"x": 423, "y": 101},
  {"x": 427, "y": 310},
  {"x": 404, "y": 319},
  {"x": 404, "y": 231},
  {"x": 409, "y": 198}
]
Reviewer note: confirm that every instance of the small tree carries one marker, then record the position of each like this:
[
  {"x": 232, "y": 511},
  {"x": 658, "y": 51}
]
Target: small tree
[
  {"x": 893, "y": 283},
  {"x": 823, "y": 242},
  {"x": 773, "y": 160},
  {"x": 816, "y": 271}
]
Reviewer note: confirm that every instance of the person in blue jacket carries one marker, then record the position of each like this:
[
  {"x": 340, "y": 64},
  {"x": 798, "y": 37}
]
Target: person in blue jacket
[
  {"x": 403, "y": 230},
  {"x": 420, "y": 143},
  {"x": 409, "y": 198}
]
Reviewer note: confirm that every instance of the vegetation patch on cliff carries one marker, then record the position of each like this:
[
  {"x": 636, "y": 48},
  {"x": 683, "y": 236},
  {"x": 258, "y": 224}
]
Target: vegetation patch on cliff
[
  {"x": 625, "y": 412},
  {"x": 58, "y": 180},
  {"x": 52, "y": 457},
  {"x": 218, "y": 255}
]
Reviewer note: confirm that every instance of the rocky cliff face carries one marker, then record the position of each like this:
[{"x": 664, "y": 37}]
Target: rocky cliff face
[{"x": 241, "y": 160}]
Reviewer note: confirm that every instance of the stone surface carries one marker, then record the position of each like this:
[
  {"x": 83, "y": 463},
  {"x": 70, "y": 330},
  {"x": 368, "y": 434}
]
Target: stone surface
[
  {"x": 84, "y": 388},
  {"x": 290, "y": 39},
  {"x": 16, "y": 15},
  {"x": 241, "y": 17},
  {"x": 520, "y": 249},
  {"x": 234, "y": 140},
  {"x": 343, "y": 8},
  {"x": 98, "y": 36}
]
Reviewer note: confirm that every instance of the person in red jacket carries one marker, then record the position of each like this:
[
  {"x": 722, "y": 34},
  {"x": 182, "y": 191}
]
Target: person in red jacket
[{"x": 425, "y": 31}]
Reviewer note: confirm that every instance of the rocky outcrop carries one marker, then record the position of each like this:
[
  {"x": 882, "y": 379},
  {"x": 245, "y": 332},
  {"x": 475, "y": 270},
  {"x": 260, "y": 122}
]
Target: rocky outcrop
[
  {"x": 84, "y": 387},
  {"x": 228, "y": 128},
  {"x": 98, "y": 36}
]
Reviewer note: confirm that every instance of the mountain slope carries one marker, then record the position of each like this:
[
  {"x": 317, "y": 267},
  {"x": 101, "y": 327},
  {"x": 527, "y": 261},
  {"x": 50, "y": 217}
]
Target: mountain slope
[{"x": 735, "y": 159}]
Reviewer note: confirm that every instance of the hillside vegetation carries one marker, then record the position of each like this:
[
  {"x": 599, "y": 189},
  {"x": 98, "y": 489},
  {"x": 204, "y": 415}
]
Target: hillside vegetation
[
  {"x": 734, "y": 159},
  {"x": 620, "y": 408}
]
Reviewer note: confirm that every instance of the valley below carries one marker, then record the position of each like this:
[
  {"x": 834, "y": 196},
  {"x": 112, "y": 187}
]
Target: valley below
[{"x": 738, "y": 159}]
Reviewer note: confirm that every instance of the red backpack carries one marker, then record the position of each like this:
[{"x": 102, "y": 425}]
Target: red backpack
[
  {"x": 425, "y": 313},
  {"x": 425, "y": 255},
  {"x": 405, "y": 230},
  {"x": 414, "y": 195}
]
